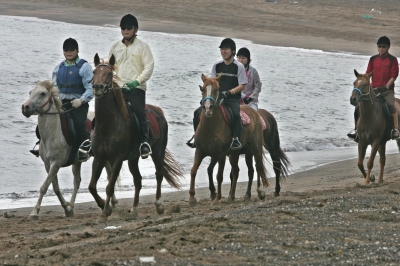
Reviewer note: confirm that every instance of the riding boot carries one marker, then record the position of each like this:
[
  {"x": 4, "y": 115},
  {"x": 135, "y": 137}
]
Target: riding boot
[
  {"x": 145, "y": 149},
  {"x": 196, "y": 121},
  {"x": 85, "y": 151},
  {"x": 237, "y": 132},
  {"x": 395, "y": 131},
  {"x": 353, "y": 136},
  {"x": 35, "y": 152}
]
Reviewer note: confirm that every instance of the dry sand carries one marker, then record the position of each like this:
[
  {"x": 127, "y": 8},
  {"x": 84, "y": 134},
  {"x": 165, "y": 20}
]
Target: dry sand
[{"x": 324, "y": 216}]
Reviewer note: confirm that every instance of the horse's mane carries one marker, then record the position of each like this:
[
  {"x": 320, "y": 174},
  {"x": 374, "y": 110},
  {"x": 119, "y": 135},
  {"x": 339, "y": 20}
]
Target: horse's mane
[{"x": 53, "y": 90}]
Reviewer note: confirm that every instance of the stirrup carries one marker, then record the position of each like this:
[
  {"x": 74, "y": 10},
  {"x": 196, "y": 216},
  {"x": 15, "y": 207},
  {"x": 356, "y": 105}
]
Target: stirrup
[
  {"x": 353, "y": 136},
  {"x": 395, "y": 131},
  {"x": 33, "y": 151},
  {"x": 236, "y": 141},
  {"x": 86, "y": 147},
  {"x": 191, "y": 144},
  {"x": 145, "y": 155}
]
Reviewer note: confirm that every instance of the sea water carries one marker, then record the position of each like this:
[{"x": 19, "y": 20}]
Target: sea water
[{"x": 306, "y": 90}]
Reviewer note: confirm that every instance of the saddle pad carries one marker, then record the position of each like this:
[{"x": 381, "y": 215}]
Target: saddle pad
[
  {"x": 153, "y": 123},
  {"x": 68, "y": 135},
  {"x": 243, "y": 116},
  {"x": 263, "y": 123}
]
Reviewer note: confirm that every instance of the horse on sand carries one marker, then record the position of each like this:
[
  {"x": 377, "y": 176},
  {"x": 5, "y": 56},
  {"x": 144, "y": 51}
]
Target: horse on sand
[
  {"x": 281, "y": 162},
  {"x": 371, "y": 126},
  {"x": 54, "y": 150},
  {"x": 213, "y": 138},
  {"x": 114, "y": 140}
]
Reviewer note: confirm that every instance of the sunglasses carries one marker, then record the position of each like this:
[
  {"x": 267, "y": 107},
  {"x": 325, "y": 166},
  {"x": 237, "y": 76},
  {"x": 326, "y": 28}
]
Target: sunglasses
[
  {"x": 126, "y": 27},
  {"x": 382, "y": 46},
  {"x": 69, "y": 49}
]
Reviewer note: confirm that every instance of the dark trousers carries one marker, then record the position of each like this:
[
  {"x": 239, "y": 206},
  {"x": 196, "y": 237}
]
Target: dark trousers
[
  {"x": 137, "y": 99},
  {"x": 236, "y": 123},
  {"x": 79, "y": 116}
]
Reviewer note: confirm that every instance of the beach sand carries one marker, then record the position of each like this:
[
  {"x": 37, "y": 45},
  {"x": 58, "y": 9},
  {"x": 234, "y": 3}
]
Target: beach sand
[{"x": 325, "y": 215}]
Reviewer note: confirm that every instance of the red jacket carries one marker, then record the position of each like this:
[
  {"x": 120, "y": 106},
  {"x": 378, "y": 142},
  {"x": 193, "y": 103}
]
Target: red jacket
[{"x": 384, "y": 69}]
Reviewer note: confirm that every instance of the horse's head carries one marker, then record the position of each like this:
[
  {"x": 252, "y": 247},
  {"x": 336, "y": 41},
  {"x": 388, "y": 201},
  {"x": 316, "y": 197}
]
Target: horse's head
[
  {"x": 103, "y": 76},
  {"x": 41, "y": 99},
  {"x": 209, "y": 92},
  {"x": 362, "y": 88}
]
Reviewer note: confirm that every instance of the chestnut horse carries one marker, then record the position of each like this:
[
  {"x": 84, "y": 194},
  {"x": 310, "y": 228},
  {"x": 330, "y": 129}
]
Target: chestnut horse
[
  {"x": 213, "y": 138},
  {"x": 370, "y": 126},
  {"x": 271, "y": 143},
  {"x": 114, "y": 140}
]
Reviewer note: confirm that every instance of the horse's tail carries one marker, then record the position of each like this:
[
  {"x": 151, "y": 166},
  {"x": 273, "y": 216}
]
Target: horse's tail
[
  {"x": 272, "y": 144},
  {"x": 172, "y": 170}
]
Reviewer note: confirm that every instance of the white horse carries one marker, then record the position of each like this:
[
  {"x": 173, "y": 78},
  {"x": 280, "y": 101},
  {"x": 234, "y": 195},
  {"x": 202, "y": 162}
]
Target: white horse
[{"x": 44, "y": 101}]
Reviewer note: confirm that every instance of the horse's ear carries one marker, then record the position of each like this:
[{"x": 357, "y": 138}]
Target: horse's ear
[
  {"x": 112, "y": 60},
  {"x": 356, "y": 73},
  {"x": 203, "y": 77},
  {"x": 201, "y": 88},
  {"x": 96, "y": 60},
  {"x": 219, "y": 77},
  {"x": 369, "y": 74}
]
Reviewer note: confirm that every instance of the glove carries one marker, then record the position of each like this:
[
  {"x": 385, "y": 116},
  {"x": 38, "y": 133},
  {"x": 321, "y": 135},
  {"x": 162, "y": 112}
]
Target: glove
[
  {"x": 131, "y": 86},
  {"x": 76, "y": 103},
  {"x": 224, "y": 94},
  {"x": 247, "y": 100}
]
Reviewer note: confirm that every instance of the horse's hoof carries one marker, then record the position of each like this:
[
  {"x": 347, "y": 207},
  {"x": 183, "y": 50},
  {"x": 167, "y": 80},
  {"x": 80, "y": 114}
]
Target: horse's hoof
[
  {"x": 69, "y": 213},
  {"x": 215, "y": 202},
  {"x": 372, "y": 178},
  {"x": 192, "y": 202},
  {"x": 114, "y": 203},
  {"x": 212, "y": 196},
  {"x": 33, "y": 217},
  {"x": 159, "y": 206},
  {"x": 230, "y": 199},
  {"x": 247, "y": 197},
  {"x": 261, "y": 194},
  {"x": 101, "y": 220},
  {"x": 135, "y": 212}
]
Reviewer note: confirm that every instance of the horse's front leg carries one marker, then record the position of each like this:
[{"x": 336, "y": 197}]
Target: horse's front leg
[
  {"x": 370, "y": 164},
  {"x": 234, "y": 160},
  {"x": 137, "y": 181},
  {"x": 97, "y": 168},
  {"x": 76, "y": 171},
  {"x": 110, "y": 191},
  {"x": 108, "y": 167},
  {"x": 52, "y": 171},
  {"x": 220, "y": 178},
  {"x": 210, "y": 171},
  {"x": 382, "y": 160},
  {"x": 361, "y": 155},
  {"x": 198, "y": 158},
  {"x": 68, "y": 209},
  {"x": 250, "y": 172}
]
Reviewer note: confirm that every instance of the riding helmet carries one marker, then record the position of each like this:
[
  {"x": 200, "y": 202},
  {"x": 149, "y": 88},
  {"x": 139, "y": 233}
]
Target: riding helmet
[
  {"x": 70, "y": 44},
  {"x": 228, "y": 42},
  {"x": 384, "y": 40},
  {"x": 129, "y": 21},
  {"x": 244, "y": 52}
]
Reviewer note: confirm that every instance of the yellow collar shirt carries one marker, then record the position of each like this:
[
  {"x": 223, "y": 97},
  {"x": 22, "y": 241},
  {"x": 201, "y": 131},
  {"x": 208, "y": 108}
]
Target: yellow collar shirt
[{"x": 134, "y": 61}]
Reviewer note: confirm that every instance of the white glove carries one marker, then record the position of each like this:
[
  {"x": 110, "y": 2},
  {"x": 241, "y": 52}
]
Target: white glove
[{"x": 76, "y": 103}]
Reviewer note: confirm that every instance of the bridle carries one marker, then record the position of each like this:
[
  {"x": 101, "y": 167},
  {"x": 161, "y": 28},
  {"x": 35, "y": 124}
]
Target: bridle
[
  {"x": 366, "y": 96},
  {"x": 107, "y": 87},
  {"x": 208, "y": 97}
]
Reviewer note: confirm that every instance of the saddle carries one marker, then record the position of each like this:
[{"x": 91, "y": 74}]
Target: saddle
[
  {"x": 227, "y": 114},
  {"x": 68, "y": 129}
]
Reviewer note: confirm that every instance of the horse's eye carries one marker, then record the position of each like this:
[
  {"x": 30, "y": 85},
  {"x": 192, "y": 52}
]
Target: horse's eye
[
  {"x": 42, "y": 94},
  {"x": 109, "y": 74}
]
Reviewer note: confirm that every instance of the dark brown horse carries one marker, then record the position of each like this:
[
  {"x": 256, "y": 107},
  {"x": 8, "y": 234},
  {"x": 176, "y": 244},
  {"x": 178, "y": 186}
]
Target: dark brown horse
[
  {"x": 115, "y": 141},
  {"x": 213, "y": 138},
  {"x": 370, "y": 126},
  {"x": 271, "y": 143}
]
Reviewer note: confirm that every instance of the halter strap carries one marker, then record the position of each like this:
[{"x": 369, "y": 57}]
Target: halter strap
[
  {"x": 358, "y": 90},
  {"x": 206, "y": 98}
]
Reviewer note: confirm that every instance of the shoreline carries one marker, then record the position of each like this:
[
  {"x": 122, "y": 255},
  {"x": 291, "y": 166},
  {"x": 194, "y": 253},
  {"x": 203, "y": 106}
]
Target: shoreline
[{"x": 336, "y": 39}]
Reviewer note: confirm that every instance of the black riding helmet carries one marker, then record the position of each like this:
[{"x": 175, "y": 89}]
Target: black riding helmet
[
  {"x": 129, "y": 21},
  {"x": 70, "y": 45},
  {"x": 244, "y": 52},
  {"x": 228, "y": 42},
  {"x": 384, "y": 40}
]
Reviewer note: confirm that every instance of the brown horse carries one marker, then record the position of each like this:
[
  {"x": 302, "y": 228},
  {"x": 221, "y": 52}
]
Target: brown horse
[
  {"x": 213, "y": 138},
  {"x": 115, "y": 141},
  {"x": 370, "y": 126},
  {"x": 271, "y": 143}
]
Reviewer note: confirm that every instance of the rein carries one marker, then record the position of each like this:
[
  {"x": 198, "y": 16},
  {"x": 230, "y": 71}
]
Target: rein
[
  {"x": 49, "y": 102},
  {"x": 366, "y": 96}
]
